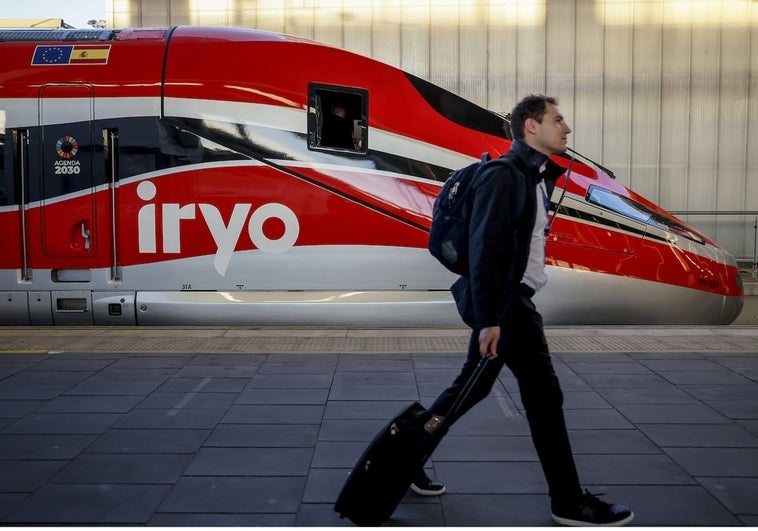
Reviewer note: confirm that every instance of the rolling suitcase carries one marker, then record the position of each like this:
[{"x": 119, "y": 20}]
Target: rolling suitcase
[{"x": 384, "y": 472}]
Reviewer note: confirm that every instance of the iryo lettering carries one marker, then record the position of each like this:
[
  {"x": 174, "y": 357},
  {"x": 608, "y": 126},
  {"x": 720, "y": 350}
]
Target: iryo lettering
[{"x": 225, "y": 234}]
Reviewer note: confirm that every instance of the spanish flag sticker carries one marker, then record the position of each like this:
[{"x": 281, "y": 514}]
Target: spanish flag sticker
[{"x": 90, "y": 54}]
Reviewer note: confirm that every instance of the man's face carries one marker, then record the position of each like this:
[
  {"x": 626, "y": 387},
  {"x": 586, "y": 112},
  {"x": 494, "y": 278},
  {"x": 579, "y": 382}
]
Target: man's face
[{"x": 551, "y": 135}]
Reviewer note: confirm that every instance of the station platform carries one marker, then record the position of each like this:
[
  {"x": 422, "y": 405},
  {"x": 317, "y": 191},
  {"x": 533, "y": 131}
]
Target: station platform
[{"x": 260, "y": 427}]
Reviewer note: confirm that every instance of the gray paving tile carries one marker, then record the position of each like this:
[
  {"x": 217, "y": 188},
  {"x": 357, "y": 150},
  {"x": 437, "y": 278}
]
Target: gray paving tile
[
  {"x": 593, "y": 419},
  {"x": 679, "y": 364},
  {"x": 337, "y": 454},
  {"x": 165, "y": 361},
  {"x": 617, "y": 381},
  {"x": 282, "y": 396},
  {"x": 218, "y": 495},
  {"x": 26, "y": 475},
  {"x": 670, "y": 505},
  {"x": 658, "y": 396},
  {"x": 274, "y": 414},
  {"x": 491, "y": 448},
  {"x": 205, "y": 384},
  {"x": 131, "y": 374},
  {"x": 736, "y": 409},
  {"x": 264, "y": 435},
  {"x": 750, "y": 425},
  {"x": 438, "y": 360},
  {"x": 580, "y": 400},
  {"x": 491, "y": 477},
  {"x": 64, "y": 423},
  {"x": 324, "y": 484},
  {"x": 699, "y": 435},
  {"x": 350, "y": 430},
  {"x": 364, "y": 409},
  {"x": 101, "y": 386},
  {"x": 295, "y": 359},
  {"x": 490, "y": 425},
  {"x": 607, "y": 367},
  {"x": 142, "y": 469},
  {"x": 216, "y": 371},
  {"x": 41, "y": 385},
  {"x": 409, "y": 514},
  {"x": 8, "y": 502},
  {"x": 183, "y": 520},
  {"x": 14, "y": 409},
  {"x": 308, "y": 368},
  {"x": 605, "y": 441},
  {"x": 485, "y": 510},
  {"x": 183, "y": 418},
  {"x": 374, "y": 386},
  {"x": 59, "y": 363},
  {"x": 47, "y": 378},
  {"x": 231, "y": 360},
  {"x": 38, "y": 446},
  {"x": 671, "y": 414},
  {"x": 290, "y": 381},
  {"x": 724, "y": 462},
  {"x": 189, "y": 400},
  {"x": 738, "y": 495},
  {"x": 250, "y": 462},
  {"x": 714, "y": 377},
  {"x": 149, "y": 441},
  {"x": 319, "y": 515},
  {"x": 89, "y": 504},
  {"x": 722, "y": 392},
  {"x": 89, "y": 404},
  {"x": 630, "y": 469},
  {"x": 370, "y": 363},
  {"x": 607, "y": 356}
]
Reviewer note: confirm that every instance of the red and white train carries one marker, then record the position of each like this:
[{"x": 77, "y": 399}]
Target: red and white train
[{"x": 191, "y": 176}]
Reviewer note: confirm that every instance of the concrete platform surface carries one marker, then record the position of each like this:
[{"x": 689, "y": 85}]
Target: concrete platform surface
[{"x": 259, "y": 427}]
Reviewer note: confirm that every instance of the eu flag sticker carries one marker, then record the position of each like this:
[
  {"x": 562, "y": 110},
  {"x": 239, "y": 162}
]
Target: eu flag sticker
[{"x": 52, "y": 55}]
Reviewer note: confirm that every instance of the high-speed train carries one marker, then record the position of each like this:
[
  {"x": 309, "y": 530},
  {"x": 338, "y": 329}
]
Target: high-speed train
[{"x": 220, "y": 176}]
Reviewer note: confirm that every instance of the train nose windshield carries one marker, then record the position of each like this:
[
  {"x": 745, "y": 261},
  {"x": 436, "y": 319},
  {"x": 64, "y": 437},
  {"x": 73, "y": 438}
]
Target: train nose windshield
[{"x": 634, "y": 210}]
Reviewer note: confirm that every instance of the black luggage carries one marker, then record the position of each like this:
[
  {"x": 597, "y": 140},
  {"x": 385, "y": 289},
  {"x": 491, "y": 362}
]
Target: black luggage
[{"x": 384, "y": 472}]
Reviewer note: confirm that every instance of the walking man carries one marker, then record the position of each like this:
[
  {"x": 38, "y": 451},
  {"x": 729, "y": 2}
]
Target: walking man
[{"x": 507, "y": 267}]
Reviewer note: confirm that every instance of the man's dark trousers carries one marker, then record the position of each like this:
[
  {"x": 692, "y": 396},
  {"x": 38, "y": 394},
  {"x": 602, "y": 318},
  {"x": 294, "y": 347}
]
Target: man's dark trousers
[{"x": 523, "y": 348}]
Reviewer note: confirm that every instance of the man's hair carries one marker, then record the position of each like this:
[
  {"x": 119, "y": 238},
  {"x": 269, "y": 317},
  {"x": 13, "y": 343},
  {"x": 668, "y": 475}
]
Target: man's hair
[{"x": 532, "y": 106}]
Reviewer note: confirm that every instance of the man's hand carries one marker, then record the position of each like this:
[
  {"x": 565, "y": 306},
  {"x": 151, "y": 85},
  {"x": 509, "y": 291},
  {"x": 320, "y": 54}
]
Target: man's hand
[{"x": 488, "y": 339}]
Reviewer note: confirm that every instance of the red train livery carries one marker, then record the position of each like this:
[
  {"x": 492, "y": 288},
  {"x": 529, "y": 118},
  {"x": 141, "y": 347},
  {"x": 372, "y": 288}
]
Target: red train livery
[{"x": 218, "y": 176}]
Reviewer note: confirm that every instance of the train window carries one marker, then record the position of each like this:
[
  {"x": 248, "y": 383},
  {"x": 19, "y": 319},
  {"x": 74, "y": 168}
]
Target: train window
[
  {"x": 337, "y": 118},
  {"x": 632, "y": 209}
]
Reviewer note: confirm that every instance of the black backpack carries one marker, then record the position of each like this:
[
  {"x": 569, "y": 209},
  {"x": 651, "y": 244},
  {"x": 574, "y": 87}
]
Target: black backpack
[{"x": 448, "y": 236}]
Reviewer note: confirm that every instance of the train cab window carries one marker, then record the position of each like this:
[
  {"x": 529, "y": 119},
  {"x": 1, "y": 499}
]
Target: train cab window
[
  {"x": 632, "y": 209},
  {"x": 337, "y": 118}
]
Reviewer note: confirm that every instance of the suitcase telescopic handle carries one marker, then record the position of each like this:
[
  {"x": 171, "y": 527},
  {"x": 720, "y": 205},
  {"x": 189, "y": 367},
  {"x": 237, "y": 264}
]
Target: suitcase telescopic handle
[{"x": 436, "y": 421}]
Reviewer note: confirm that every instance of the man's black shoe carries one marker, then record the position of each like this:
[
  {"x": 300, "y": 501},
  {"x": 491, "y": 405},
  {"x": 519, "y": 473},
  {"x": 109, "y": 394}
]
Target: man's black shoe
[
  {"x": 592, "y": 512},
  {"x": 424, "y": 486}
]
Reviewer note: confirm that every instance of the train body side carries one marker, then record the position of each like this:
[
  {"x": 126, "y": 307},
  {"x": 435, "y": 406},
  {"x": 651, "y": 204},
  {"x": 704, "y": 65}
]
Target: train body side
[{"x": 175, "y": 176}]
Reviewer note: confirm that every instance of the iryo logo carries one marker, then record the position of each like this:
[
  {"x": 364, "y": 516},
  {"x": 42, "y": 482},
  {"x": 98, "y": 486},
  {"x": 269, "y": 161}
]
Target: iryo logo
[{"x": 226, "y": 235}]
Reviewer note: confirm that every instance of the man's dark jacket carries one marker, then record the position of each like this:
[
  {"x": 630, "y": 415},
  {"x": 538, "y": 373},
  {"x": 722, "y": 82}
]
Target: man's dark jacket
[{"x": 500, "y": 230}]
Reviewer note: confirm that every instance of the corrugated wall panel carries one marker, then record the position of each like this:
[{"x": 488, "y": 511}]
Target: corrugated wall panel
[
  {"x": 675, "y": 109},
  {"x": 560, "y": 56},
  {"x": 588, "y": 81},
  {"x": 646, "y": 111}
]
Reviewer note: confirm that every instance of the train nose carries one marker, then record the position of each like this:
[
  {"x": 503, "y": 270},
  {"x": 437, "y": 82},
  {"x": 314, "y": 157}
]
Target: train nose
[{"x": 731, "y": 308}]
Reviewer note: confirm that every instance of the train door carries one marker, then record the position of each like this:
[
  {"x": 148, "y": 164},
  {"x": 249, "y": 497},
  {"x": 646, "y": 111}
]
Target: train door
[
  {"x": 67, "y": 219},
  {"x": 68, "y": 228}
]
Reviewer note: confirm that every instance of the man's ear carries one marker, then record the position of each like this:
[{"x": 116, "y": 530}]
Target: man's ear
[{"x": 530, "y": 125}]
